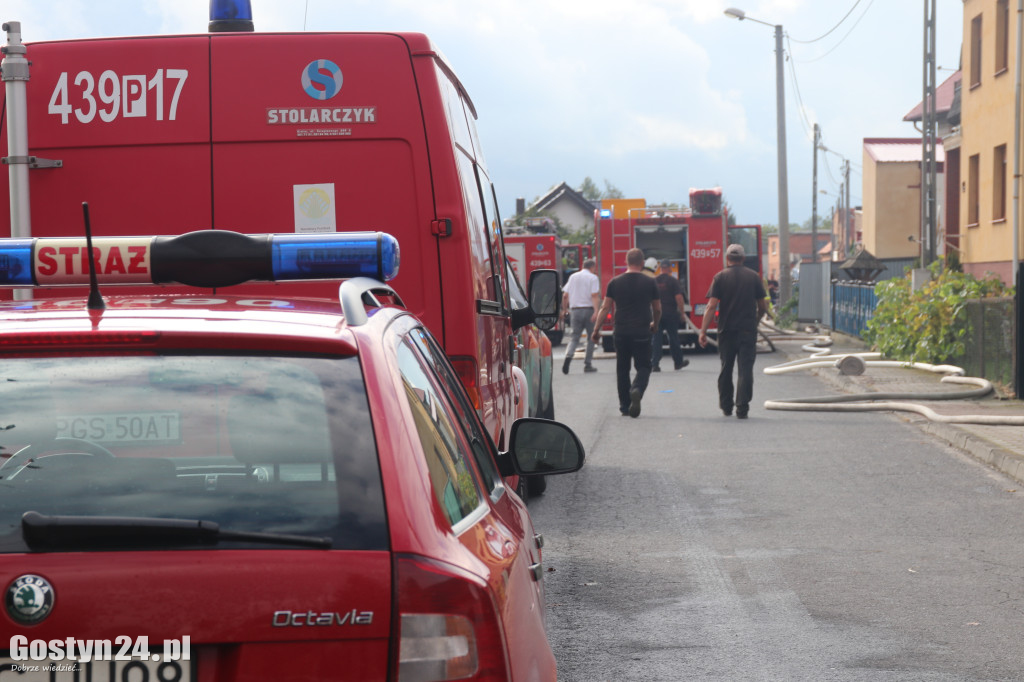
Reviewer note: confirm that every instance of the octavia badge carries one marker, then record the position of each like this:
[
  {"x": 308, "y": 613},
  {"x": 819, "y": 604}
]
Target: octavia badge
[{"x": 29, "y": 599}]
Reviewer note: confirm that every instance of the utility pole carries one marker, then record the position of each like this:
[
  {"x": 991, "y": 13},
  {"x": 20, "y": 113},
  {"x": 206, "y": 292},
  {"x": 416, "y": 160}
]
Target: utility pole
[
  {"x": 847, "y": 213},
  {"x": 814, "y": 197},
  {"x": 785, "y": 276},
  {"x": 838, "y": 237},
  {"x": 928, "y": 140}
]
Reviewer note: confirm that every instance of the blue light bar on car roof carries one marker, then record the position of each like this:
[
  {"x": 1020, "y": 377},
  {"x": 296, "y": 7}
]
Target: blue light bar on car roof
[{"x": 207, "y": 258}]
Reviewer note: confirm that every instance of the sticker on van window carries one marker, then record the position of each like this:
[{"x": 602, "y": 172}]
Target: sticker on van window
[{"x": 314, "y": 208}]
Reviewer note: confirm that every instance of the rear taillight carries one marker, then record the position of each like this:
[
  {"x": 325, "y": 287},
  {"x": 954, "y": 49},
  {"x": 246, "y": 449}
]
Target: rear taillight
[
  {"x": 468, "y": 372},
  {"x": 449, "y": 627}
]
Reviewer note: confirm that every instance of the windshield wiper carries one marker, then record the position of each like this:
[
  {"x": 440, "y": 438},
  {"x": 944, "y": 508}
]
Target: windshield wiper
[{"x": 43, "y": 531}]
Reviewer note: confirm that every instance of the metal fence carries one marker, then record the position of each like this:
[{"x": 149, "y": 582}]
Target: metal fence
[
  {"x": 991, "y": 340},
  {"x": 853, "y": 304},
  {"x": 990, "y": 343}
]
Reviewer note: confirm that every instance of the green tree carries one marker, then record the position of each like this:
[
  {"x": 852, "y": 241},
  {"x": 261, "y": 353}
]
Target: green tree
[
  {"x": 584, "y": 235},
  {"x": 611, "y": 191},
  {"x": 824, "y": 225},
  {"x": 589, "y": 189},
  {"x": 591, "y": 192},
  {"x": 730, "y": 216}
]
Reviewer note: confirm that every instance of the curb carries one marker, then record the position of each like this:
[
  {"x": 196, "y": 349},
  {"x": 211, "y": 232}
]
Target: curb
[
  {"x": 1007, "y": 462},
  {"x": 1002, "y": 460}
]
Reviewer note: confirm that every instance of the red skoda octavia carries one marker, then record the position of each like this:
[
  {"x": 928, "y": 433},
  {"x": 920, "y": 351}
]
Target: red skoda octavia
[{"x": 222, "y": 488}]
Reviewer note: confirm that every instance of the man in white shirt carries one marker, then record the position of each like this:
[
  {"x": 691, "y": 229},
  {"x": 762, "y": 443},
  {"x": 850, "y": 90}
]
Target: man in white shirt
[{"x": 581, "y": 296}]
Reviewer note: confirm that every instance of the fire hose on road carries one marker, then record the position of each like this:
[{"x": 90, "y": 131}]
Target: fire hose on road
[{"x": 857, "y": 363}]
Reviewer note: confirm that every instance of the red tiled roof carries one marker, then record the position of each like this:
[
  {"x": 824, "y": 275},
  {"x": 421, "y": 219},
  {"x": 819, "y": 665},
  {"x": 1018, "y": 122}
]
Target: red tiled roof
[
  {"x": 943, "y": 99},
  {"x": 898, "y": 149}
]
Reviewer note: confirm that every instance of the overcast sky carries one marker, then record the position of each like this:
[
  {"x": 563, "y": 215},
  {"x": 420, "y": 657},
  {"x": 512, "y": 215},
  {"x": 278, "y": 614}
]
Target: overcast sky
[{"x": 654, "y": 96}]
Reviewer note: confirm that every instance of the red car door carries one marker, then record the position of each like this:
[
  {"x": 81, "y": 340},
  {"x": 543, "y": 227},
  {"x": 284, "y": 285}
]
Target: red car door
[{"x": 489, "y": 523}]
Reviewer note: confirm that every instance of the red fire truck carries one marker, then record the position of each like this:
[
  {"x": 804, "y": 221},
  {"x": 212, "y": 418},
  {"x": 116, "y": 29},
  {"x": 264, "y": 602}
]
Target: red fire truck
[
  {"x": 573, "y": 256},
  {"x": 694, "y": 239},
  {"x": 527, "y": 252}
]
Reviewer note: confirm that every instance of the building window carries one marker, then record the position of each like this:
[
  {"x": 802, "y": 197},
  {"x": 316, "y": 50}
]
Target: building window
[
  {"x": 976, "y": 51},
  {"x": 973, "y": 165},
  {"x": 1002, "y": 34},
  {"x": 999, "y": 183}
]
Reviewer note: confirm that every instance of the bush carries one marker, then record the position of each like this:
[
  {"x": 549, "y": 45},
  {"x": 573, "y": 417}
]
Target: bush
[
  {"x": 786, "y": 317},
  {"x": 930, "y": 324}
]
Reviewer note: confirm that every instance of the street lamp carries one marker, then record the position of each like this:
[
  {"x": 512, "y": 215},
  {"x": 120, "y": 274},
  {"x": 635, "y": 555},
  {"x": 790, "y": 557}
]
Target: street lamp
[{"x": 785, "y": 281}]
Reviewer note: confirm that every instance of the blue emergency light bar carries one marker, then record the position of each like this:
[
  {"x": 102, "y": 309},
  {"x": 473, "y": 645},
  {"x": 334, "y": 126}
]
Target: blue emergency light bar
[
  {"x": 230, "y": 15},
  {"x": 207, "y": 258}
]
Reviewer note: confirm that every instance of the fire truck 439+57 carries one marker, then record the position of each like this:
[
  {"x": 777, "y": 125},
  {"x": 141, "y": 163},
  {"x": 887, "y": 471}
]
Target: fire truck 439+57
[{"x": 693, "y": 239}]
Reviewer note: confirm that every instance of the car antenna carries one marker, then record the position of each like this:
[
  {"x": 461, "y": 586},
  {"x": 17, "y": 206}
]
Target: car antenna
[{"x": 95, "y": 299}]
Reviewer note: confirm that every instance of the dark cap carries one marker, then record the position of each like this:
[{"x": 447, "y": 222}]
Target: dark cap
[
  {"x": 735, "y": 251},
  {"x": 666, "y": 263}
]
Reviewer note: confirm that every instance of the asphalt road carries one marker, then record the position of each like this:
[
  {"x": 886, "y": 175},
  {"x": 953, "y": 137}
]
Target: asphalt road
[{"x": 790, "y": 546}]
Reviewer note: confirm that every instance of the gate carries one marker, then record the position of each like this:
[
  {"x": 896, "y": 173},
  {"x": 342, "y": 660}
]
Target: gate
[{"x": 853, "y": 304}]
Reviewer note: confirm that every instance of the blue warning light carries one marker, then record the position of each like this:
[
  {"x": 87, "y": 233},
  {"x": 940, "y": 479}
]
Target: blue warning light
[
  {"x": 16, "y": 262},
  {"x": 230, "y": 15},
  {"x": 335, "y": 256}
]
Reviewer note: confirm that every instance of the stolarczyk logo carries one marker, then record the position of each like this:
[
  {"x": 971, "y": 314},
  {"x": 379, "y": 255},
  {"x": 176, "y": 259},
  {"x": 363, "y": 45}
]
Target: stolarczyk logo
[
  {"x": 29, "y": 599},
  {"x": 322, "y": 79}
]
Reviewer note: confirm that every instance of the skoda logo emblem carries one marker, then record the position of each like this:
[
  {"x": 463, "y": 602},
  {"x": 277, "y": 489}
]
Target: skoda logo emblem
[
  {"x": 322, "y": 79},
  {"x": 29, "y": 599}
]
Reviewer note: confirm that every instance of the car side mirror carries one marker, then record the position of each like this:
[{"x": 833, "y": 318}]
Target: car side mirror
[
  {"x": 541, "y": 447},
  {"x": 545, "y": 295}
]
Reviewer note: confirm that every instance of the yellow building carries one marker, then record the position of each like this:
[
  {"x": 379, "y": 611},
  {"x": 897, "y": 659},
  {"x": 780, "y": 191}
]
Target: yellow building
[
  {"x": 892, "y": 196},
  {"x": 986, "y": 138}
]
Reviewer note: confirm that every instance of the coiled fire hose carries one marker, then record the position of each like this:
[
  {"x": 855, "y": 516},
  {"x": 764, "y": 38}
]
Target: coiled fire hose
[{"x": 856, "y": 363}]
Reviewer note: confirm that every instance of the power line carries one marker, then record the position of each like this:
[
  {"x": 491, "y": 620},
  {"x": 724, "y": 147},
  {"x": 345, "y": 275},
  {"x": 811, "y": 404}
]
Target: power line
[
  {"x": 805, "y": 121},
  {"x": 796, "y": 91},
  {"x": 845, "y": 17},
  {"x": 843, "y": 39},
  {"x": 828, "y": 172}
]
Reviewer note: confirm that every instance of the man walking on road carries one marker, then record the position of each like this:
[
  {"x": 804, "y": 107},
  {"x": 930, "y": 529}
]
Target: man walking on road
[
  {"x": 634, "y": 297},
  {"x": 673, "y": 305},
  {"x": 737, "y": 293},
  {"x": 581, "y": 296}
]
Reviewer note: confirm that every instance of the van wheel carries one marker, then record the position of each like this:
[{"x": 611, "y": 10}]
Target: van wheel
[
  {"x": 523, "y": 489},
  {"x": 537, "y": 485},
  {"x": 555, "y": 336},
  {"x": 549, "y": 411},
  {"x": 608, "y": 344}
]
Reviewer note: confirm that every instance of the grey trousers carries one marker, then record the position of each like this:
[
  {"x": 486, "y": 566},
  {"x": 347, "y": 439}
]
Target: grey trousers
[{"x": 579, "y": 320}]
